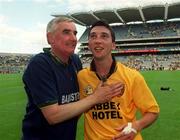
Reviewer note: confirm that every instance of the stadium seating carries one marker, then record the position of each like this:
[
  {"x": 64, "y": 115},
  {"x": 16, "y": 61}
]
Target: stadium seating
[
  {"x": 147, "y": 46},
  {"x": 13, "y": 63}
]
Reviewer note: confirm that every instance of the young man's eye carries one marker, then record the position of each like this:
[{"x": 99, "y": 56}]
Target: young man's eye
[{"x": 104, "y": 36}]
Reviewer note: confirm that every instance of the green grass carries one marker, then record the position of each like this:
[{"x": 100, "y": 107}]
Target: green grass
[
  {"x": 13, "y": 100},
  {"x": 168, "y": 124}
]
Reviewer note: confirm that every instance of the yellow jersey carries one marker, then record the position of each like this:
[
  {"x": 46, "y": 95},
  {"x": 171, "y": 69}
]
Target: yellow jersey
[{"x": 102, "y": 119}]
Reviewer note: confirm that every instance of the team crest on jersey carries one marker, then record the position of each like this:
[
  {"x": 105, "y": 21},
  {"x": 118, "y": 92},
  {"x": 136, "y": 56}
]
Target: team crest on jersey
[{"x": 88, "y": 90}]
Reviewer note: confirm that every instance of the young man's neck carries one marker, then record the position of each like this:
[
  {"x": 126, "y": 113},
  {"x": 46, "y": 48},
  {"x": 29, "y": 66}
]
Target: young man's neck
[{"x": 103, "y": 66}]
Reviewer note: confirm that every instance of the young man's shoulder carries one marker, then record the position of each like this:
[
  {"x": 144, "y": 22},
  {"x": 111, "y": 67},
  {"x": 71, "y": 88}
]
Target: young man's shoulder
[
  {"x": 125, "y": 70},
  {"x": 84, "y": 70}
]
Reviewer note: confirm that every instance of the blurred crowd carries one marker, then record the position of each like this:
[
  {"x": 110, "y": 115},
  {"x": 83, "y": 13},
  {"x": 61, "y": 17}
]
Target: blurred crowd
[
  {"x": 146, "y": 62},
  {"x": 153, "y": 30},
  {"x": 149, "y": 30},
  {"x": 13, "y": 63}
]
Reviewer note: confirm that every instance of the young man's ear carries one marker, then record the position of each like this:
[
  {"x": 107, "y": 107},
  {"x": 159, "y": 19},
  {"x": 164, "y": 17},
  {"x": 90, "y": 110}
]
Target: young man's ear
[
  {"x": 88, "y": 46},
  {"x": 113, "y": 46}
]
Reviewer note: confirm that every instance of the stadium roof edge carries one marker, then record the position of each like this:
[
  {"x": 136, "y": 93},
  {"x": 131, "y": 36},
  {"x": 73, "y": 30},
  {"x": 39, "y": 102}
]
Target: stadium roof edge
[
  {"x": 125, "y": 15},
  {"x": 175, "y": 3}
]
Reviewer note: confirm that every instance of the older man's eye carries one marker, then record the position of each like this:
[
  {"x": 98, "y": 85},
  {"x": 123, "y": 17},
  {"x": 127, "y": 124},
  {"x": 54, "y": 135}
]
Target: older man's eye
[
  {"x": 92, "y": 36},
  {"x": 66, "y": 31},
  {"x": 75, "y": 33}
]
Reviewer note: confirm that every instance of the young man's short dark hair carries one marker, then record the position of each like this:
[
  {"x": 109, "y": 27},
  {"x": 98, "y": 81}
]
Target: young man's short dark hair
[{"x": 103, "y": 23}]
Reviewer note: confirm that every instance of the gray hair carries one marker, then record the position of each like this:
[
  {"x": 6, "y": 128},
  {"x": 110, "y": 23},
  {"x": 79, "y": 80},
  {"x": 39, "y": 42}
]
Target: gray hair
[{"x": 52, "y": 24}]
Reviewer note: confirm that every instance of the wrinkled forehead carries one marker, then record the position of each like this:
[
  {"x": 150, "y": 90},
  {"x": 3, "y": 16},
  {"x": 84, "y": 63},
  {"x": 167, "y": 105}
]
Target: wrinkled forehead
[{"x": 66, "y": 24}]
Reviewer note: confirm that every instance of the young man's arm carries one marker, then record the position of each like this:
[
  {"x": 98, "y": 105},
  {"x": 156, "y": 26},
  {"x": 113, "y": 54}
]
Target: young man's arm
[{"x": 147, "y": 119}]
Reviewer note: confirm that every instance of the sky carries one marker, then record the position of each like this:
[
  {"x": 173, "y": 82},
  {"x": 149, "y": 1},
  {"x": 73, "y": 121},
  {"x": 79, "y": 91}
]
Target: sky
[{"x": 23, "y": 22}]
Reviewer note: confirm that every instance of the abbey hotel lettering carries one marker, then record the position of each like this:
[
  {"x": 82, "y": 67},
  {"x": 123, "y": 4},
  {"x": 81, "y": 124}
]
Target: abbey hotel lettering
[{"x": 108, "y": 110}]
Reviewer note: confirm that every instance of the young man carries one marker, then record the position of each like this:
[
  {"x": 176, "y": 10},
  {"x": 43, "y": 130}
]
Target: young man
[
  {"x": 52, "y": 89},
  {"x": 115, "y": 119}
]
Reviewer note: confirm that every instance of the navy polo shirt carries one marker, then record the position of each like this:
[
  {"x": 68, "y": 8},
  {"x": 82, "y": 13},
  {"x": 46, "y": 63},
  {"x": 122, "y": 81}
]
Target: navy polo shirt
[{"x": 48, "y": 81}]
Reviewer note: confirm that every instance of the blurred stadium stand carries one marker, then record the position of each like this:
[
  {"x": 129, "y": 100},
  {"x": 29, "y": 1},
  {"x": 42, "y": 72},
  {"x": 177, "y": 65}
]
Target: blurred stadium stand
[
  {"x": 13, "y": 63},
  {"x": 147, "y": 38}
]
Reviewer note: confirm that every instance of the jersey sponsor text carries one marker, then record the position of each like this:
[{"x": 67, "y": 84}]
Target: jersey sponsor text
[
  {"x": 108, "y": 110},
  {"x": 70, "y": 97}
]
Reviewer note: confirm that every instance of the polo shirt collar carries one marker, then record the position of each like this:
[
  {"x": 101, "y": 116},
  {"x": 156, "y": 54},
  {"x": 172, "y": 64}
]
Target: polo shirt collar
[{"x": 111, "y": 71}]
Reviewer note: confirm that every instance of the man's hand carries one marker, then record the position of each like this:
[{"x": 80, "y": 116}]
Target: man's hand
[
  {"x": 127, "y": 132},
  {"x": 105, "y": 92}
]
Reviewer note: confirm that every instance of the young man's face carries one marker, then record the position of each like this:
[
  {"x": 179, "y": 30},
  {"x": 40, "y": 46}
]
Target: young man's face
[
  {"x": 100, "y": 42},
  {"x": 63, "y": 39}
]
